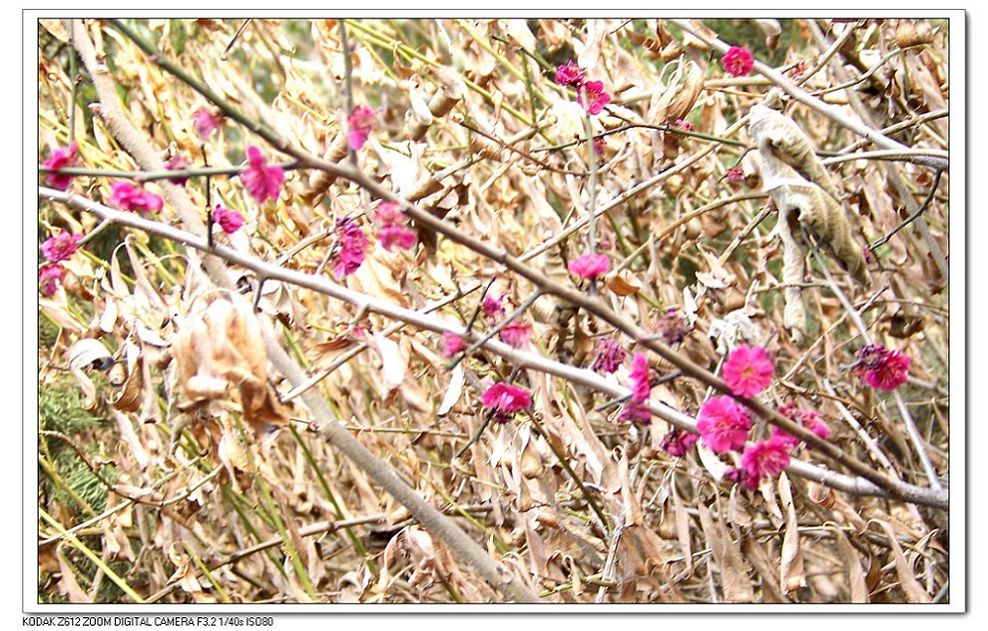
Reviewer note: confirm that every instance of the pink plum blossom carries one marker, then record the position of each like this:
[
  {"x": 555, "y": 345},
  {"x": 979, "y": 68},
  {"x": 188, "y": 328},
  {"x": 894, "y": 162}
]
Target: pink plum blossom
[
  {"x": 352, "y": 247},
  {"x": 229, "y": 220},
  {"x": 126, "y": 196},
  {"x": 50, "y": 276},
  {"x": 737, "y": 61},
  {"x": 206, "y": 122},
  {"x": 505, "y": 399},
  {"x": 452, "y": 344},
  {"x": 678, "y": 442},
  {"x": 764, "y": 459},
  {"x": 516, "y": 334},
  {"x": 590, "y": 265},
  {"x": 748, "y": 370},
  {"x": 723, "y": 424},
  {"x": 641, "y": 378},
  {"x": 570, "y": 74},
  {"x": 610, "y": 355},
  {"x": 61, "y": 247},
  {"x": 361, "y": 123},
  {"x": 263, "y": 182},
  {"x": 883, "y": 369},
  {"x": 59, "y": 159},
  {"x": 595, "y": 95}
]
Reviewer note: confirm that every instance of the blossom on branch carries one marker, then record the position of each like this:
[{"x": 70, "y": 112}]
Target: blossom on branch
[
  {"x": 229, "y": 220},
  {"x": 505, "y": 399},
  {"x": 50, "y": 276},
  {"x": 610, "y": 355},
  {"x": 61, "y": 247},
  {"x": 570, "y": 74},
  {"x": 748, "y": 370},
  {"x": 881, "y": 368},
  {"x": 590, "y": 265},
  {"x": 126, "y": 196},
  {"x": 641, "y": 378},
  {"x": 764, "y": 459},
  {"x": 737, "y": 61},
  {"x": 352, "y": 247},
  {"x": 516, "y": 334},
  {"x": 452, "y": 344},
  {"x": 361, "y": 123},
  {"x": 263, "y": 182},
  {"x": 723, "y": 424},
  {"x": 59, "y": 159},
  {"x": 206, "y": 122},
  {"x": 596, "y": 97}
]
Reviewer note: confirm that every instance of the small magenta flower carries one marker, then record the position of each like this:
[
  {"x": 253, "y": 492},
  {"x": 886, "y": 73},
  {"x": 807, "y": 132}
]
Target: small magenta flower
[
  {"x": 641, "y": 378},
  {"x": 764, "y": 459},
  {"x": 452, "y": 344},
  {"x": 748, "y": 371},
  {"x": 799, "y": 69},
  {"x": 738, "y": 61},
  {"x": 390, "y": 236},
  {"x": 229, "y": 220},
  {"x": 570, "y": 74},
  {"x": 683, "y": 124},
  {"x": 597, "y": 98},
  {"x": 59, "y": 159},
  {"x": 353, "y": 245},
  {"x": 493, "y": 307},
  {"x": 635, "y": 413},
  {"x": 723, "y": 424},
  {"x": 735, "y": 175},
  {"x": 599, "y": 147},
  {"x": 50, "y": 276},
  {"x": 808, "y": 418},
  {"x": 361, "y": 123},
  {"x": 206, "y": 122},
  {"x": 883, "y": 369},
  {"x": 506, "y": 399},
  {"x": 61, "y": 247},
  {"x": 782, "y": 435},
  {"x": 590, "y": 265},
  {"x": 516, "y": 334},
  {"x": 126, "y": 196},
  {"x": 610, "y": 355},
  {"x": 678, "y": 442},
  {"x": 393, "y": 230},
  {"x": 177, "y": 163},
  {"x": 261, "y": 181}
]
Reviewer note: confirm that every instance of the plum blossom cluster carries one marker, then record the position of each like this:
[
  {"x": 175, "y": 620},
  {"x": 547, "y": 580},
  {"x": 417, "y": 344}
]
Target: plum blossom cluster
[
  {"x": 590, "y": 94},
  {"x": 737, "y": 61},
  {"x": 352, "y": 247},
  {"x": 672, "y": 327},
  {"x": 393, "y": 229},
  {"x": 261, "y": 180},
  {"x": 127, "y": 196},
  {"x": 60, "y": 159},
  {"x": 505, "y": 399},
  {"x": 748, "y": 370},
  {"x": 881, "y": 368},
  {"x": 56, "y": 249},
  {"x": 360, "y": 123}
]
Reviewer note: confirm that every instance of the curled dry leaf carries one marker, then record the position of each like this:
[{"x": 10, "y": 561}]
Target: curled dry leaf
[{"x": 218, "y": 348}]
